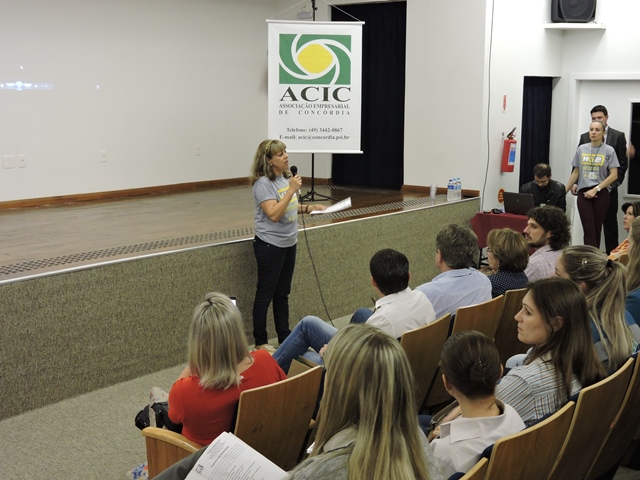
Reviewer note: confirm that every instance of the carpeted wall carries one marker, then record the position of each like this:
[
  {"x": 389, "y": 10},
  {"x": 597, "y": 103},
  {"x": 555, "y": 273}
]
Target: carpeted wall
[{"x": 71, "y": 333}]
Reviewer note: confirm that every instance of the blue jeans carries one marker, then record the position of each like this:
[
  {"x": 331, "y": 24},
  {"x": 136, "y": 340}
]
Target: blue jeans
[
  {"x": 361, "y": 315},
  {"x": 275, "y": 272},
  {"x": 310, "y": 332}
]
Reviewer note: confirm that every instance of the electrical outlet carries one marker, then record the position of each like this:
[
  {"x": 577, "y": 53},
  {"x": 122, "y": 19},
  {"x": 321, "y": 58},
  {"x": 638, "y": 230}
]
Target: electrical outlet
[
  {"x": 9, "y": 161},
  {"x": 22, "y": 160},
  {"x": 103, "y": 155},
  {"x": 196, "y": 149}
]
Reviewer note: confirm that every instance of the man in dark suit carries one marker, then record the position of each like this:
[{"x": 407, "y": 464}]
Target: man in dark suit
[{"x": 617, "y": 140}]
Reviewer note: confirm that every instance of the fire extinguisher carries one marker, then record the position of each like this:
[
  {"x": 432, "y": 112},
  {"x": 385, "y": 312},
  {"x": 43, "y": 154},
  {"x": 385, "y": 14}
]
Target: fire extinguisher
[{"x": 509, "y": 152}]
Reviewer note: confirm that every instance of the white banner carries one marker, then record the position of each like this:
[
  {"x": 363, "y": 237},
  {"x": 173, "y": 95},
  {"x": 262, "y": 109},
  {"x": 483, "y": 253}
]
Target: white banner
[{"x": 315, "y": 85}]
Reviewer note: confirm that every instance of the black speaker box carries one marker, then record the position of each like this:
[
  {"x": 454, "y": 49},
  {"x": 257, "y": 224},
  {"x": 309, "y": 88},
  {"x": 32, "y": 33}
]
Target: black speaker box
[{"x": 573, "y": 11}]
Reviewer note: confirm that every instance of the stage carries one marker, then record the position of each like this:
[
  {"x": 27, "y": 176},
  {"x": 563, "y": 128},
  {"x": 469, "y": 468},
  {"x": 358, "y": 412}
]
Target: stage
[{"x": 96, "y": 294}]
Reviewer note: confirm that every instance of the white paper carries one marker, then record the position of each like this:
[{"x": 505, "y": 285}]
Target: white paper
[
  {"x": 336, "y": 207},
  {"x": 230, "y": 458}
]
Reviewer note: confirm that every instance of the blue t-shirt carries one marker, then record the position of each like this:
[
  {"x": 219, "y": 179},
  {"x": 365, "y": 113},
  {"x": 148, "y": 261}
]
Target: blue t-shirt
[{"x": 284, "y": 232}]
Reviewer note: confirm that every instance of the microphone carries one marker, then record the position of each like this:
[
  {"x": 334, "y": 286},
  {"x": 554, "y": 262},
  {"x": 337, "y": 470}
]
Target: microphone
[{"x": 294, "y": 170}]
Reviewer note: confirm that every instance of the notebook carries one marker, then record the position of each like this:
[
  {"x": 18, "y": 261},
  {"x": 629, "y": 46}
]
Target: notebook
[{"x": 518, "y": 203}]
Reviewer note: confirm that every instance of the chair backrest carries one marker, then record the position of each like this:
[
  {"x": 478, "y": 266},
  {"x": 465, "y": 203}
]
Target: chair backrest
[
  {"x": 624, "y": 427},
  {"x": 483, "y": 317},
  {"x": 623, "y": 259},
  {"x": 596, "y": 409},
  {"x": 531, "y": 453},
  {"x": 478, "y": 472},
  {"x": 274, "y": 419},
  {"x": 423, "y": 347},
  {"x": 506, "y": 336},
  {"x": 164, "y": 448}
]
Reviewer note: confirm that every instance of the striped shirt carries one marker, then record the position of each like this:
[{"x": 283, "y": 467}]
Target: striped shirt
[
  {"x": 542, "y": 264},
  {"x": 534, "y": 390}
]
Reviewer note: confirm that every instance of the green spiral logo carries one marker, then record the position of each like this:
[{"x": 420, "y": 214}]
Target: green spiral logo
[{"x": 315, "y": 59}]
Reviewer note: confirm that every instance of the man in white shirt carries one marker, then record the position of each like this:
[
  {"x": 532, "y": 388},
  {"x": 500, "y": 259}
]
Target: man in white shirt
[
  {"x": 398, "y": 310},
  {"x": 548, "y": 232},
  {"x": 458, "y": 285}
]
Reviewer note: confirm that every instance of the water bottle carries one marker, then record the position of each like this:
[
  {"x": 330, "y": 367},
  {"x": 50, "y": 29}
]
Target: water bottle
[
  {"x": 458, "y": 189},
  {"x": 450, "y": 191}
]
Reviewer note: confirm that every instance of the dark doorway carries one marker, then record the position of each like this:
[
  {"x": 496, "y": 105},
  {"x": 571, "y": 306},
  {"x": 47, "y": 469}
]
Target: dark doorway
[
  {"x": 633, "y": 175},
  {"x": 383, "y": 85},
  {"x": 536, "y": 125}
]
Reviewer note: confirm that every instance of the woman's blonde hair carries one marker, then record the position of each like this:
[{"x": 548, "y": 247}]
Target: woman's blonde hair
[
  {"x": 370, "y": 386},
  {"x": 633, "y": 267},
  {"x": 606, "y": 292},
  {"x": 261, "y": 166},
  {"x": 510, "y": 249},
  {"x": 217, "y": 343}
]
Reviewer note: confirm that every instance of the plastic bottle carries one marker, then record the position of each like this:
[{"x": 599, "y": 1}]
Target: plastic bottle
[
  {"x": 458, "y": 189},
  {"x": 450, "y": 191}
]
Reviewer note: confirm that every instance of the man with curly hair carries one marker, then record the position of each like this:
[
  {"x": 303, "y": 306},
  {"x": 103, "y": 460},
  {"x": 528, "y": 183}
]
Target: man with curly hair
[{"x": 547, "y": 231}]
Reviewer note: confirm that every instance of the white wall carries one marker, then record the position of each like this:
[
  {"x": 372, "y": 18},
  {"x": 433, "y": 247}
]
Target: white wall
[{"x": 171, "y": 74}]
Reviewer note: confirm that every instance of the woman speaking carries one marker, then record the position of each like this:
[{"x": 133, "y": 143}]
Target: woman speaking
[
  {"x": 276, "y": 226},
  {"x": 595, "y": 167}
]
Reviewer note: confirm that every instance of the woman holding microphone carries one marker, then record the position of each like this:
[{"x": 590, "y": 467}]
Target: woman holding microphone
[
  {"x": 595, "y": 167},
  {"x": 276, "y": 225}
]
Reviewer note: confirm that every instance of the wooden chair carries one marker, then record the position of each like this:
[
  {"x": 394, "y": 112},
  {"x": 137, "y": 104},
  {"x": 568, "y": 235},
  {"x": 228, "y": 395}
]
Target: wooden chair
[
  {"x": 531, "y": 453},
  {"x": 478, "y": 472},
  {"x": 506, "y": 336},
  {"x": 423, "y": 346},
  {"x": 623, "y": 259},
  {"x": 483, "y": 317},
  {"x": 275, "y": 419},
  {"x": 596, "y": 409},
  {"x": 624, "y": 428},
  {"x": 164, "y": 448}
]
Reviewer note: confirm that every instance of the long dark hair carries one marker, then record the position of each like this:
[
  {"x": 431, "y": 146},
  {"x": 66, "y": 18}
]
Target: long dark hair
[{"x": 569, "y": 344}]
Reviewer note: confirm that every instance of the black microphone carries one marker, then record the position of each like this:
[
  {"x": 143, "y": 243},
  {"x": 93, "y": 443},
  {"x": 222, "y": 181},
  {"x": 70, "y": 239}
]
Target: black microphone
[{"x": 294, "y": 170}]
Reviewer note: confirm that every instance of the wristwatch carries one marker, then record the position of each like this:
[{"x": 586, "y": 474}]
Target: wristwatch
[{"x": 598, "y": 187}]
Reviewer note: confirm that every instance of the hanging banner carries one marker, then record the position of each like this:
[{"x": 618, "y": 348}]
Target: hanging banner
[{"x": 315, "y": 85}]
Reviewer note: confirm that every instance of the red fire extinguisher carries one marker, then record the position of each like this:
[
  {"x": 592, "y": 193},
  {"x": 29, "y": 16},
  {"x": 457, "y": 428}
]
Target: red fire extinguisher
[{"x": 509, "y": 152}]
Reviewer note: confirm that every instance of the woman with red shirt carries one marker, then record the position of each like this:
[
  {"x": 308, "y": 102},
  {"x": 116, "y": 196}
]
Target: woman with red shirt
[{"x": 205, "y": 395}]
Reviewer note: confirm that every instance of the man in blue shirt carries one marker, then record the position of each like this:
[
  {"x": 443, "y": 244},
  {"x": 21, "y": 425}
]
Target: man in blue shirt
[{"x": 458, "y": 285}]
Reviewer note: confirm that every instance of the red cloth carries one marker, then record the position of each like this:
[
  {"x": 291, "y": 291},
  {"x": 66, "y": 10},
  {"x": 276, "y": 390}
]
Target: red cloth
[
  {"x": 206, "y": 413},
  {"x": 483, "y": 223}
]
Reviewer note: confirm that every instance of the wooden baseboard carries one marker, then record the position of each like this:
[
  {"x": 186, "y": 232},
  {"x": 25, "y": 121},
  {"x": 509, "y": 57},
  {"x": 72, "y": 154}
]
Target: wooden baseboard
[
  {"x": 134, "y": 192},
  {"x": 440, "y": 191}
]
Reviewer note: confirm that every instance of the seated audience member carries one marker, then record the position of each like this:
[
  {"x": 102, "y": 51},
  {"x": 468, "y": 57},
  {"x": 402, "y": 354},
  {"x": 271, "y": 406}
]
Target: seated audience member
[
  {"x": 548, "y": 232},
  {"x": 398, "y": 310},
  {"x": 220, "y": 367},
  {"x": 615, "y": 333},
  {"x": 367, "y": 426},
  {"x": 545, "y": 191},
  {"x": 508, "y": 256},
  {"x": 631, "y": 211},
  {"x": 458, "y": 284},
  {"x": 470, "y": 365},
  {"x": 554, "y": 319},
  {"x": 632, "y": 304}
]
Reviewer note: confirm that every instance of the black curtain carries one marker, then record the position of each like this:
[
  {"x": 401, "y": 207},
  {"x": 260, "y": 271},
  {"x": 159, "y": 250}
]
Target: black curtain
[
  {"x": 536, "y": 125},
  {"x": 383, "y": 74}
]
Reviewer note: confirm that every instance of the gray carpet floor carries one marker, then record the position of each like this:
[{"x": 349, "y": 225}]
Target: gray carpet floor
[{"x": 87, "y": 437}]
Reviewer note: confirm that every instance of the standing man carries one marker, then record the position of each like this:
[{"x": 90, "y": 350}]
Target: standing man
[
  {"x": 548, "y": 232},
  {"x": 545, "y": 191},
  {"x": 617, "y": 140}
]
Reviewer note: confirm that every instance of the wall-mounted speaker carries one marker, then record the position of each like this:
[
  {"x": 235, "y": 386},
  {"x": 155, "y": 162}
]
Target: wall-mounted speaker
[{"x": 573, "y": 11}]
